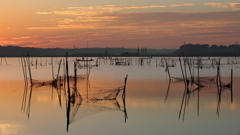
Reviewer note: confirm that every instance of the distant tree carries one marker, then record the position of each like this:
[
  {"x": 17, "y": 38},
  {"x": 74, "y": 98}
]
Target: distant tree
[
  {"x": 222, "y": 46},
  {"x": 106, "y": 51},
  {"x": 214, "y": 46}
]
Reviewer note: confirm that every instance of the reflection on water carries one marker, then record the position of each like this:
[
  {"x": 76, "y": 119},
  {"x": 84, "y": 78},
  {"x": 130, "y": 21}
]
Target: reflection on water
[
  {"x": 7, "y": 128},
  {"x": 153, "y": 103},
  {"x": 195, "y": 84},
  {"x": 80, "y": 101}
]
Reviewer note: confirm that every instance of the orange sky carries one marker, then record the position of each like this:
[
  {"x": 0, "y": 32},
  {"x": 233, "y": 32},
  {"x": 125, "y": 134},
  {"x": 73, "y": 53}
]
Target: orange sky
[{"x": 157, "y": 25}]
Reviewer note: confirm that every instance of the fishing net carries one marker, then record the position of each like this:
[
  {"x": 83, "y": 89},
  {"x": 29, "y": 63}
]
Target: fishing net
[
  {"x": 177, "y": 79},
  {"x": 203, "y": 66},
  {"x": 87, "y": 100},
  {"x": 209, "y": 89},
  {"x": 203, "y": 81},
  {"x": 72, "y": 77},
  {"x": 39, "y": 83},
  {"x": 95, "y": 93},
  {"x": 91, "y": 92},
  {"x": 226, "y": 85},
  {"x": 85, "y": 108},
  {"x": 85, "y": 66},
  {"x": 95, "y": 100}
]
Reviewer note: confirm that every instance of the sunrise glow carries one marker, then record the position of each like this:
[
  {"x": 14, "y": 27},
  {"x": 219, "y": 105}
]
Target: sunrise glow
[{"x": 130, "y": 24}]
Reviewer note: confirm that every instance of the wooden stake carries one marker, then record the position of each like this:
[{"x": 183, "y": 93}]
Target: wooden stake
[
  {"x": 231, "y": 86},
  {"x": 182, "y": 72},
  {"x": 52, "y": 69},
  {"x": 124, "y": 89},
  {"x": 29, "y": 69},
  {"x": 75, "y": 77}
]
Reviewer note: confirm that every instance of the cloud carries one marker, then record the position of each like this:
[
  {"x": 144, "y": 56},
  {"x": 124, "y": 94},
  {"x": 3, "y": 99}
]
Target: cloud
[
  {"x": 88, "y": 17},
  {"x": 27, "y": 37},
  {"x": 32, "y": 43},
  {"x": 177, "y": 5},
  {"x": 131, "y": 25},
  {"x": 108, "y": 24},
  {"x": 56, "y": 37},
  {"x": 223, "y": 5},
  {"x": 95, "y": 10},
  {"x": 150, "y": 26},
  {"x": 79, "y": 26}
]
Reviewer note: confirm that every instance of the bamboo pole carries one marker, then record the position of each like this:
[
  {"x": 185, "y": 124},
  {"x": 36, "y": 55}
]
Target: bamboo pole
[
  {"x": 190, "y": 70},
  {"x": 75, "y": 77},
  {"x": 68, "y": 85},
  {"x": 231, "y": 86},
  {"x": 36, "y": 63},
  {"x": 185, "y": 70},
  {"x": 169, "y": 82},
  {"x": 64, "y": 75},
  {"x": 24, "y": 74},
  {"x": 29, "y": 69},
  {"x": 29, "y": 102},
  {"x": 220, "y": 75},
  {"x": 167, "y": 69},
  {"x": 124, "y": 88},
  {"x": 68, "y": 91},
  {"x": 87, "y": 75},
  {"x": 25, "y": 69},
  {"x": 184, "y": 93},
  {"x": 6, "y": 61},
  {"x": 198, "y": 104},
  {"x": 59, "y": 66},
  {"x": 25, "y": 86},
  {"x": 52, "y": 69},
  {"x": 217, "y": 78},
  {"x": 182, "y": 71},
  {"x": 24, "y": 97},
  {"x": 124, "y": 98}
]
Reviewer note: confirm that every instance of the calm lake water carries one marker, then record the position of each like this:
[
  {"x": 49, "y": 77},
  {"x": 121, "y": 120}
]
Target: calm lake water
[{"x": 153, "y": 106}]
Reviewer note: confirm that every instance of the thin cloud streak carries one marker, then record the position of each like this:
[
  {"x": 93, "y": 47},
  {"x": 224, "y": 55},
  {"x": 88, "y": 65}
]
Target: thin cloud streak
[
  {"x": 223, "y": 5},
  {"x": 27, "y": 37},
  {"x": 178, "y": 5},
  {"x": 150, "y": 20},
  {"x": 93, "y": 10}
]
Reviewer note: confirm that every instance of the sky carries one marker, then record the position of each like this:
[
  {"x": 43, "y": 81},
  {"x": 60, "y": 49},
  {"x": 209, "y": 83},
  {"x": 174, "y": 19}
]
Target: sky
[{"x": 156, "y": 24}]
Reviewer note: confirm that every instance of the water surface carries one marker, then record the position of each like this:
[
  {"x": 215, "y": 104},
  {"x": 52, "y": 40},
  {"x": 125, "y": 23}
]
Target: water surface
[{"x": 152, "y": 106}]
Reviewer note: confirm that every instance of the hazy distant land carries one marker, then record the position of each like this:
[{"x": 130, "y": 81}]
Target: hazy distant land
[{"x": 186, "y": 49}]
